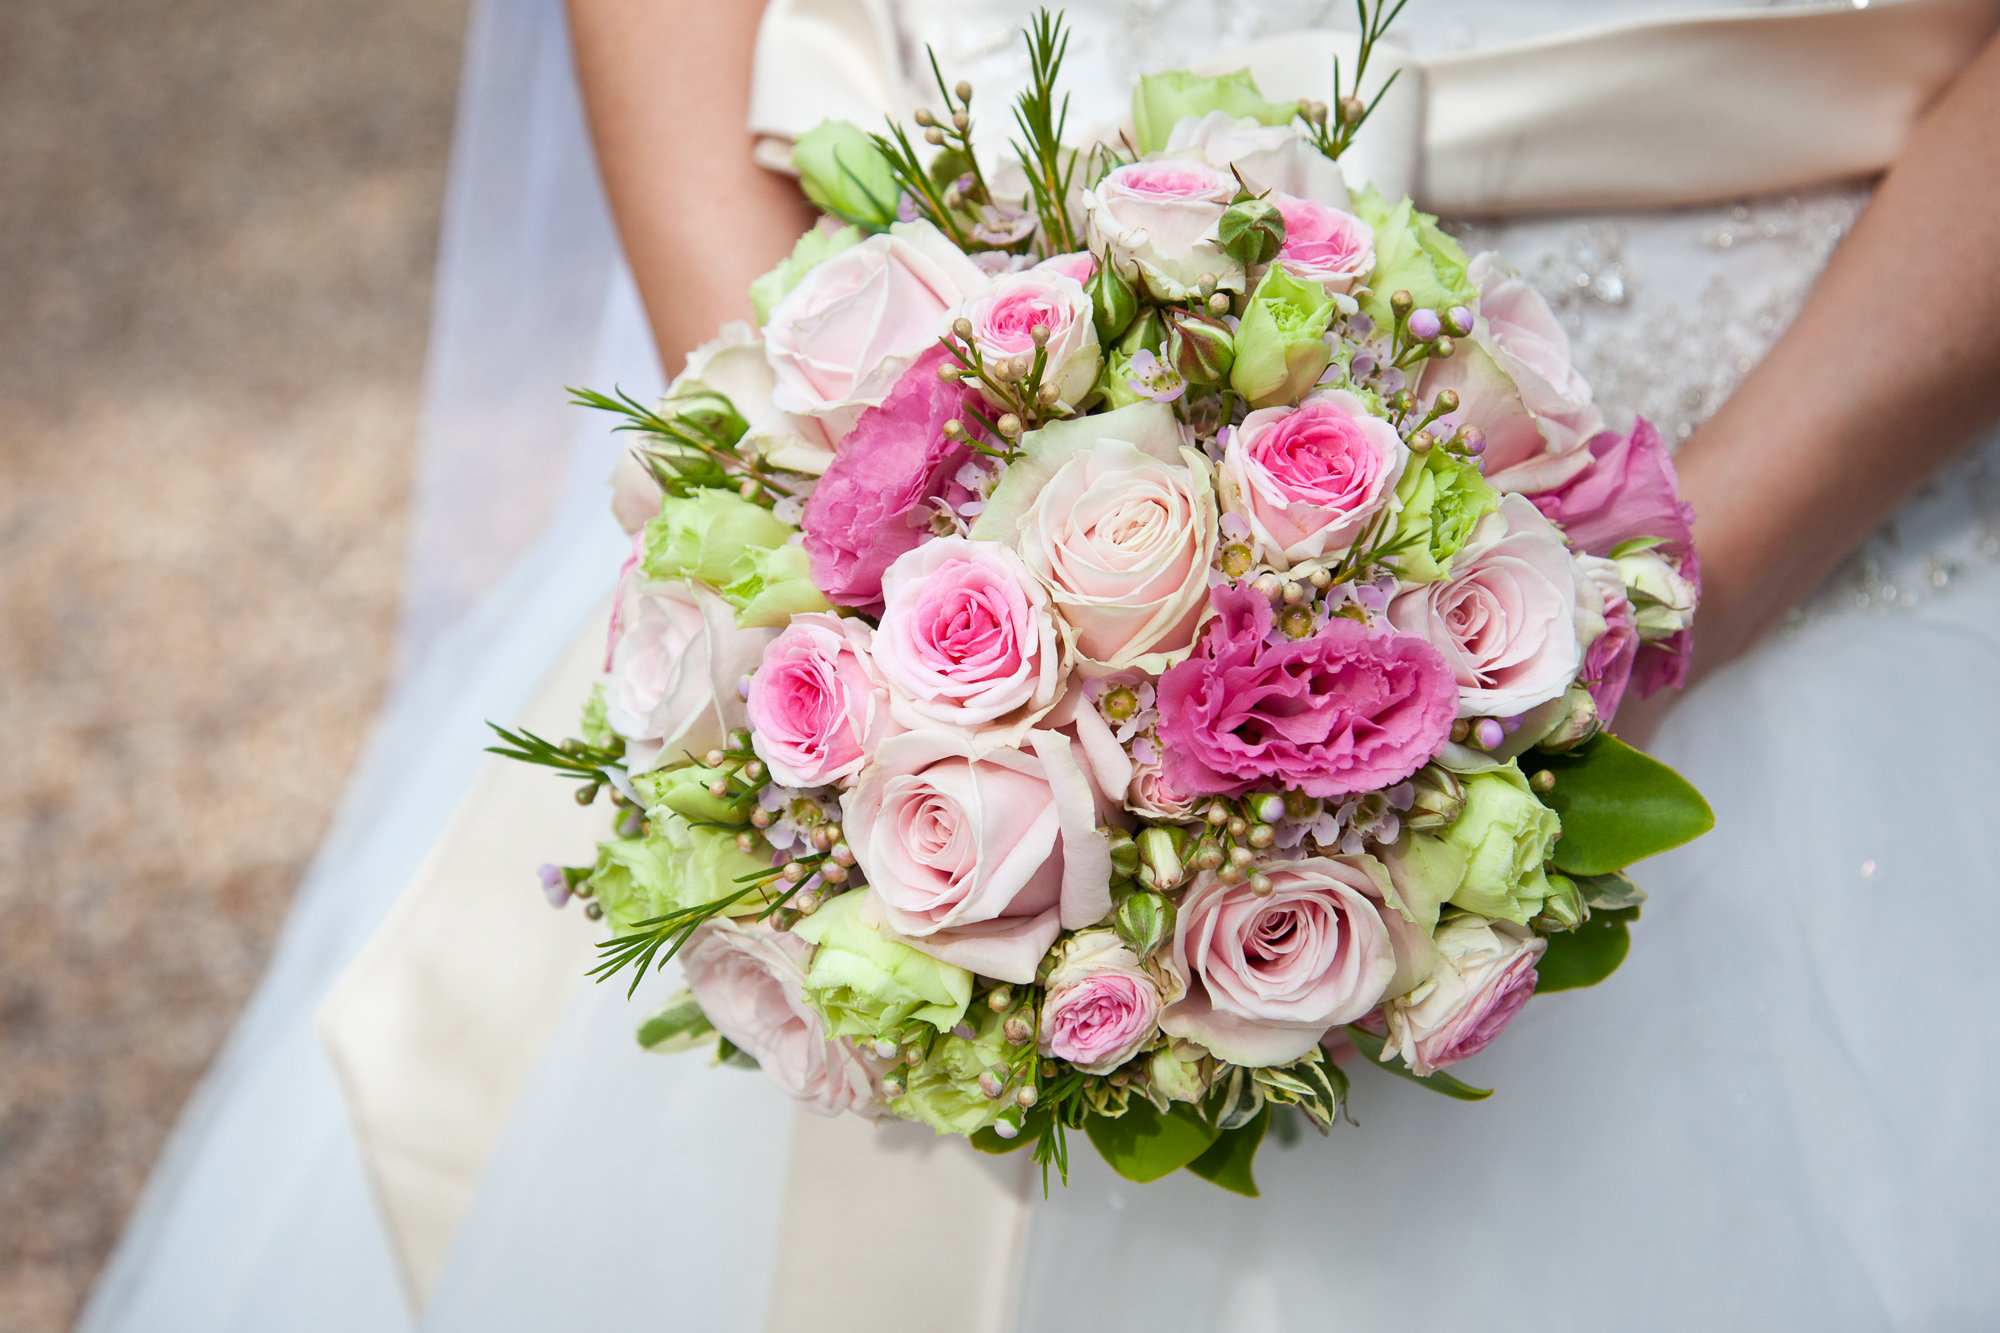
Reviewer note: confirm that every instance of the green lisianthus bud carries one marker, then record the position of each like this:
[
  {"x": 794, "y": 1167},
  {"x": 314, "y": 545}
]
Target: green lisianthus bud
[
  {"x": 1443, "y": 497},
  {"x": 943, "y": 1092},
  {"x": 1147, "y": 332},
  {"x": 1160, "y": 864},
  {"x": 1564, "y": 908},
  {"x": 818, "y": 245},
  {"x": 778, "y": 587},
  {"x": 1172, "y": 1078},
  {"x": 1145, "y": 921},
  {"x": 1124, "y": 851},
  {"x": 1199, "y": 348},
  {"x": 1251, "y": 230},
  {"x": 1411, "y": 255},
  {"x": 842, "y": 171},
  {"x": 1439, "y": 798},
  {"x": 1662, "y": 600},
  {"x": 712, "y": 535},
  {"x": 1281, "y": 346},
  {"x": 1161, "y": 101},
  {"x": 684, "y": 790},
  {"x": 1506, "y": 835},
  {"x": 869, "y": 986},
  {"x": 1114, "y": 303},
  {"x": 1576, "y": 723}
]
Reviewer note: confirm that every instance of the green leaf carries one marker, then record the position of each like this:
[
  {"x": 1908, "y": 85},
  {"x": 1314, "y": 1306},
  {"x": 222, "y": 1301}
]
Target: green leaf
[
  {"x": 678, "y": 1025},
  {"x": 1227, "y": 1161},
  {"x": 1144, "y": 1144},
  {"x": 1588, "y": 954},
  {"x": 1617, "y": 805},
  {"x": 1609, "y": 893},
  {"x": 1370, "y": 1045}
]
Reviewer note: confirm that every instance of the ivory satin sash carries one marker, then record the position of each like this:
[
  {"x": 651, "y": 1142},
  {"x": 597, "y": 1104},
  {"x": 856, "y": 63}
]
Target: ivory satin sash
[{"x": 440, "y": 1020}]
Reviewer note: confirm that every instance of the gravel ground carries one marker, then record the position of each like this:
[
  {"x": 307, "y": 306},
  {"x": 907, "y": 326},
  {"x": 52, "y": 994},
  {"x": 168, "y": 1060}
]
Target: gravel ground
[{"x": 216, "y": 230}]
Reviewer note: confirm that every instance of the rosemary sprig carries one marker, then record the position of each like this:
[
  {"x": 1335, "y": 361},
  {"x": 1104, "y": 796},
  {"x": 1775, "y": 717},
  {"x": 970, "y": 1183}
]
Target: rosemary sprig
[
  {"x": 697, "y": 456},
  {"x": 1333, "y": 134},
  {"x": 590, "y": 764},
  {"x": 1051, "y": 167},
  {"x": 919, "y": 188},
  {"x": 645, "y": 941}
]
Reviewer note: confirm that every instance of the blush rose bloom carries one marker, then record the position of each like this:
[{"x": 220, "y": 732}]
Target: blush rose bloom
[
  {"x": 1003, "y": 319},
  {"x": 1100, "y": 1004},
  {"x": 840, "y": 339},
  {"x": 749, "y": 981},
  {"x": 731, "y": 364},
  {"x": 817, "y": 705},
  {"x": 1116, "y": 515},
  {"x": 1271, "y": 157},
  {"x": 979, "y": 857},
  {"x": 1347, "y": 709},
  {"x": 1326, "y": 245},
  {"x": 967, "y": 639},
  {"x": 1155, "y": 221},
  {"x": 1512, "y": 617},
  {"x": 1308, "y": 479},
  {"x": 1268, "y": 976},
  {"x": 1485, "y": 973},
  {"x": 675, "y": 669}
]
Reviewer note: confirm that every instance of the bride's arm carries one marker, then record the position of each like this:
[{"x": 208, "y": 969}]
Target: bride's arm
[
  {"x": 666, "y": 84},
  {"x": 1891, "y": 368}
]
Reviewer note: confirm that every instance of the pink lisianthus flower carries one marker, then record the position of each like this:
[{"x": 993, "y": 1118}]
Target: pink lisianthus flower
[
  {"x": 817, "y": 705},
  {"x": 1323, "y": 244},
  {"x": 884, "y": 485},
  {"x": 1308, "y": 479},
  {"x": 1346, "y": 709},
  {"x": 1484, "y": 974},
  {"x": 1607, "y": 663}
]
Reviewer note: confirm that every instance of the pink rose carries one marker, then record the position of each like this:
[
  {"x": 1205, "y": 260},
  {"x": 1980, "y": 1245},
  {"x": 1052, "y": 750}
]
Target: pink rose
[
  {"x": 1080, "y": 267},
  {"x": 979, "y": 858},
  {"x": 675, "y": 671},
  {"x": 1485, "y": 973},
  {"x": 817, "y": 706},
  {"x": 1271, "y": 157},
  {"x": 1267, "y": 976},
  {"x": 967, "y": 638},
  {"x": 844, "y": 335},
  {"x": 1506, "y": 619},
  {"x": 1004, "y": 317},
  {"x": 1309, "y": 479},
  {"x": 1347, "y": 709},
  {"x": 1324, "y": 244},
  {"x": 749, "y": 981},
  {"x": 1100, "y": 1005},
  {"x": 1150, "y": 795},
  {"x": 892, "y": 474},
  {"x": 1155, "y": 222}
]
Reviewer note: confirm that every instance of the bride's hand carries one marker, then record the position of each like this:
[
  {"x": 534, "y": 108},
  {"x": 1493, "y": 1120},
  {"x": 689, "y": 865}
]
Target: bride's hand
[{"x": 666, "y": 84}]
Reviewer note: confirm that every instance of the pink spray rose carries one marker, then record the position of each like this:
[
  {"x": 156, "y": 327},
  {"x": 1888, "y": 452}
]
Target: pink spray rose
[
  {"x": 1507, "y": 619},
  {"x": 1267, "y": 976},
  {"x": 1485, "y": 973},
  {"x": 1309, "y": 478},
  {"x": 1271, "y": 157},
  {"x": 817, "y": 705},
  {"x": 1080, "y": 266},
  {"x": 967, "y": 638},
  {"x": 979, "y": 858},
  {"x": 749, "y": 981},
  {"x": 839, "y": 340},
  {"x": 879, "y": 494},
  {"x": 1324, "y": 244},
  {"x": 1004, "y": 318},
  {"x": 1346, "y": 709},
  {"x": 1155, "y": 222},
  {"x": 1101, "y": 1005},
  {"x": 675, "y": 670}
]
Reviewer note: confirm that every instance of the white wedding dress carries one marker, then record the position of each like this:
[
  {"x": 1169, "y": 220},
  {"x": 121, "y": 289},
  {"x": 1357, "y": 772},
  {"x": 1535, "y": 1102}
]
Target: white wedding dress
[{"x": 1774, "y": 1116}]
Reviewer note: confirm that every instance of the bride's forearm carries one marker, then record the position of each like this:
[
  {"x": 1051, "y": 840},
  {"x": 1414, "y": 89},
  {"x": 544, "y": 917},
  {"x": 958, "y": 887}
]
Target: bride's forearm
[
  {"x": 666, "y": 84},
  {"x": 1891, "y": 368}
]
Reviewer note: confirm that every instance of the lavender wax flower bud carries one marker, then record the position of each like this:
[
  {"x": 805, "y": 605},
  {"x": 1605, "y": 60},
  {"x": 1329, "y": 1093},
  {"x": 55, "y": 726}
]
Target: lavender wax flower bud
[{"x": 1425, "y": 325}]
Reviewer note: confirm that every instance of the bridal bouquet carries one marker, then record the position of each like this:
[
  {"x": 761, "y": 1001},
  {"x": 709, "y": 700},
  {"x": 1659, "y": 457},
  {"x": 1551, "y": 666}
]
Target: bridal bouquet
[{"x": 1129, "y": 631}]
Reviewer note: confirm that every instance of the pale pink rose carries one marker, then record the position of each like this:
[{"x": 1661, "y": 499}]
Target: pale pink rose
[
  {"x": 1267, "y": 976},
  {"x": 1155, "y": 222},
  {"x": 817, "y": 705},
  {"x": 1271, "y": 157},
  {"x": 1309, "y": 479},
  {"x": 1326, "y": 245},
  {"x": 675, "y": 671},
  {"x": 749, "y": 981},
  {"x": 967, "y": 638},
  {"x": 1485, "y": 973},
  {"x": 838, "y": 341},
  {"x": 979, "y": 858},
  {"x": 1005, "y": 315},
  {"x": 1517, "y": 382},
  {"x": 1079, "y": 267},
  {"x": 1150, "y": 795},
  {"x": 1511, "y": 619},
  {"x": 1100, "y": 1005}
]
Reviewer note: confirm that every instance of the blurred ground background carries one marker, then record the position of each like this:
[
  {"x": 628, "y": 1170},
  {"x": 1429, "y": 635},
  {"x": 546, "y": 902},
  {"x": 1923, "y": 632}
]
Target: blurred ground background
[{"x": 216, "y": 231}]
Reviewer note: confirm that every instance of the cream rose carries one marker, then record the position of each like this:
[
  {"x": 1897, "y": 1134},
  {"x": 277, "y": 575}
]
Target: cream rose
[
  {"x": 675, "y": 668},
  {"x": 1155, "y": 220},
  {"x": 979, "y": 858}
]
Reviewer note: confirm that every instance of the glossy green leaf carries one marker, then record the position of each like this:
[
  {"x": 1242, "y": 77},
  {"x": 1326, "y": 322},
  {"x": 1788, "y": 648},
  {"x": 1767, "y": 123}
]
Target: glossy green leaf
[
  {"x": 1144, "y": 1144},
  {"x": 678, "y": 1025},
  {"x": 1227, "y": 1161},
  {"x": 1618, "y": 805},
  {"x": 1442, "y": 1083},
  {"x": 1588, "y": 954}
]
